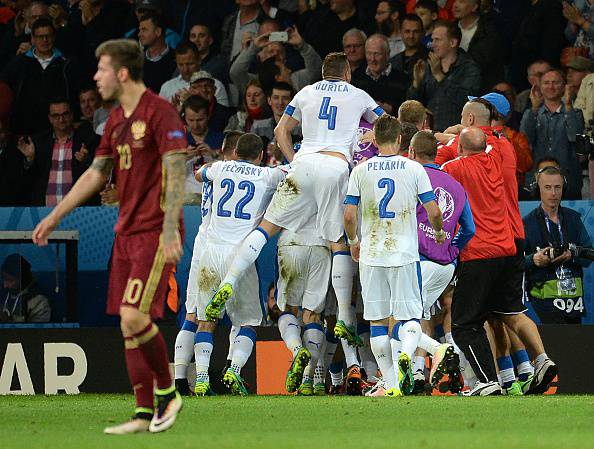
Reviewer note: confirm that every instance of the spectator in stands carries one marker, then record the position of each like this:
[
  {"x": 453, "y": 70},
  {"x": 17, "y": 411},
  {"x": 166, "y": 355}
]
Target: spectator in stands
[
  {"x": 203, "y": 144},
  {"x": 577, "y": 69},
  {"x": 540, "y": 36},
  {"x": 353, "y": 45},
  {"x": 37, "y": 76},
  {"x": 101, "y": 115},
  {"x": 388, "y": 16},
  {"x": 24, "y": 303},
  {"x": 214, "y": 63},
  {"x": 554, "y": 276},
  {"x": 412, "y": 32},
  {"x": 412, "y": 111},
  {"x": 182, "y": 14},
  {"x": 381, "y": 80},
  {"x": 187, "y": 59},
  {"x": 159, "y": 59},
  {"x": 551, "y": 125},
  {"x": 480, "y": 40},
  {"x": 253, "y": 107},
  {"x": 324, "y": 28},
  {"x": 534, "y": 71},
  {"x": 427, "y": 11},
  {"x": 56, "y": 159},
  {"x": 203, "y": 84},
  {"x": 240, "y": 25},
  {"x": 580, "y": 24},
  {"x": 279, "y": 97},
  {"x": 444, "y": 82},
  {"x": 144, "y": 7},
  {"x": 514, "y": 117},
  {"x": 12, "y": 191},
  {"x": 17, "y": 38},
  {"x": 277, "y": 70},
  {"x": 585, "y": 100},
  {"x": 89, "y": 101}
]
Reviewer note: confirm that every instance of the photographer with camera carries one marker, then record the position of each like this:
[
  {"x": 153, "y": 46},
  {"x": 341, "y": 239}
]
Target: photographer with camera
[{"x": 557, "y": 248}]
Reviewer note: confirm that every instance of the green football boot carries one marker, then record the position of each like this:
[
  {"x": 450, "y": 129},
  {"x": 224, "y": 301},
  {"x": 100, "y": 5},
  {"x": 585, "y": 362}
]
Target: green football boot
[
  {"x": 234, "y": 383},
  {"x": 406, "y": 379},
  {"x": 306, "y": 388},
  {"x": 203, "y": 389},
  {"x": 295, "y": 373},
  {"x": 341, "y": 330},
  {"x": 217, "y": 303},
  {"x": 514, "y": 390},
  {"x": 319, "y": 389}
]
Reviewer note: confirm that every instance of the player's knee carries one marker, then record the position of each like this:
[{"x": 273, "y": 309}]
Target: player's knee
[
  {"x": 133, "y": 321},
  {"x": 206, "y": 326},
  {"x": 310, "y": 317}
]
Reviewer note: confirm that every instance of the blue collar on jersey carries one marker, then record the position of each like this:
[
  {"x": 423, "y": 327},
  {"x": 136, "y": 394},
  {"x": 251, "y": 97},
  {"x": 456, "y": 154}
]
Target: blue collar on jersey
[{"x": 432, "y": 166}]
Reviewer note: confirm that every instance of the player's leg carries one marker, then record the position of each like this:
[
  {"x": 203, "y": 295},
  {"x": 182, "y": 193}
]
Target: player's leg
[
  {"x": 203, "y": 346},
  {"x": 382, "y": 351},
  {"x": 343, "y": 270},
  {"x": 313, "y": 339},
  {"x": 505, "y": 364},
  {"x": 368, "y": 361},
  {"x": 521, "y": 360},
  {"x": 233, "y": 331},
  {"x": 243, "y": 346},
  {"x": 184, "y": 345}
]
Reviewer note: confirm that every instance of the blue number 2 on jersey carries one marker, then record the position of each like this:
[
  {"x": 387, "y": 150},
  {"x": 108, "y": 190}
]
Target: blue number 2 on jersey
[
  {"x": 328, "y": 112},
  {"x": 228, "y": 184},
  {"x": 389, "y": 184}
]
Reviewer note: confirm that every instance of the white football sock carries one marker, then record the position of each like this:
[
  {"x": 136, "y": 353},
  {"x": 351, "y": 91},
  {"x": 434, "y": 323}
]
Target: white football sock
[
  {"x": 410, "y": 333},
  {"x": 248, "y": 253},
  {"x": 184, "y": 348},
  {"x": 232, "y": 334},
  {"x": 540, "y": 359},
  {"x": 350, "y": 353},
  {"x": 202, "y": 351},
  {"x": 331, "y": 344},
  {"x": 368, "y": 361},
  {"x": 313, "y": 339},
  {"x": 343, "y": 269},
  {"x": 419, "y": 363},
  {"x": 242, "y": 348},
  {"x": 290, "y": 331},
  {"x": 380, "y": 346},
  {"x": 428, "y": 344}
]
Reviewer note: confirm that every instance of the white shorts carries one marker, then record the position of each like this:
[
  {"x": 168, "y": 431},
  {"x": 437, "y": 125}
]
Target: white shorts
[
  {"x": 303, "y": 277},
  {"x": 244, "y": 307},
  {"x": 315, "y": 188},
  {"x": 436, "y": 278},
  {"x": 391, "y": 291},
  {"x": 192, "y": 289}
]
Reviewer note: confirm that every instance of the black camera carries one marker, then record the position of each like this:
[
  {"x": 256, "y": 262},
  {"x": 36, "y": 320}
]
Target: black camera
[
  {"x": 584, "y": 144},
  {"x": 576, "y": 251}
]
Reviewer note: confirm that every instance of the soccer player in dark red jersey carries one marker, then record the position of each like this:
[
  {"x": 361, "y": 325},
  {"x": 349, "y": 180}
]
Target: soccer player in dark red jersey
[{"x": 144, "y": 141}]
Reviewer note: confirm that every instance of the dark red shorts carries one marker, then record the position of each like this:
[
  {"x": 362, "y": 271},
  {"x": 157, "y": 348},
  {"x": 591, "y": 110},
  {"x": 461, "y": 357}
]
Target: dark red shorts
[{"x": 138, "y": 275}]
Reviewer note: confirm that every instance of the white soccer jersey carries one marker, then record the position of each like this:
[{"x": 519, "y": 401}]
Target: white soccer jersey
[
  {"x": 205, "y": 210},
  {"x": 240, "y": 195},
  {"x": 387, "y": 190},
  {"x": 329, "y": 113}
]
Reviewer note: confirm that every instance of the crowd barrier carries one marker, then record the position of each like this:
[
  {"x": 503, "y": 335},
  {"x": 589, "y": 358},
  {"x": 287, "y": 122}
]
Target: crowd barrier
[{"x": 91, "y": 360}]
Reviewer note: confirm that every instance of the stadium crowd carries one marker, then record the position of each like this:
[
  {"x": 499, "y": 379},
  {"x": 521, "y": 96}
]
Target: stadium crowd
[{"x": 503, "y": 81}]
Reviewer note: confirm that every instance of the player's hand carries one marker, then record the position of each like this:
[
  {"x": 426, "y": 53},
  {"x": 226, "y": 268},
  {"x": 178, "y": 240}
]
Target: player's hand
[
  {"x": 44, "y": 229},
  {"x": 356, "y": 251},
  {"x": 565, "y": 257},
  {"x": 82, "y": 154},
  {"x": 440, "y": 237},
  {"x": 172, "y": 247},
  {"x": 541, "y": 257},
  {"x": 367, "y": 137},
  {"x": 536, "y": 98}
]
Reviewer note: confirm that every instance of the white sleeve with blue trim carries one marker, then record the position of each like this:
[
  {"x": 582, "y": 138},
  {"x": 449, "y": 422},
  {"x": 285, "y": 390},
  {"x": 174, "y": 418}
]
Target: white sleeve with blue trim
[
  {"x": 210, "y": 174},
  {"x": 293, "y": 109},
  {"x": 353, "y": 192},
  {"x": 424, "y": 188},
  {"x": 372, "y": 110}
]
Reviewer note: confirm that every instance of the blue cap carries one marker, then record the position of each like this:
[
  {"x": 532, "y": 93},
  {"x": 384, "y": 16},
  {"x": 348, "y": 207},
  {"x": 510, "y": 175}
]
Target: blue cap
[{"x": 498, "y": 101}]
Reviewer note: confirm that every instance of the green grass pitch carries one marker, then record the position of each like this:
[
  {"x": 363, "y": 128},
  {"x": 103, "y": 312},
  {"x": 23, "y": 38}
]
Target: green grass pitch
[{"x": 64, "y": 422}]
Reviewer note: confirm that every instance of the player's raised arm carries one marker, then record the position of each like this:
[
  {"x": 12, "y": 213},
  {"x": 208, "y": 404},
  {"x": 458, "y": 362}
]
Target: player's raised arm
[
  {"x": 282, "y": 133},
  {"x": 90, "y": 183},
  {"x": 175, "y": 171}
]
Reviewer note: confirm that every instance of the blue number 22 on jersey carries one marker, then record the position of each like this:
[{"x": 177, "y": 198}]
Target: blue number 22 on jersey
[
  {"x": 228, "y": 184},
  {"x": 328, "y": 112}
]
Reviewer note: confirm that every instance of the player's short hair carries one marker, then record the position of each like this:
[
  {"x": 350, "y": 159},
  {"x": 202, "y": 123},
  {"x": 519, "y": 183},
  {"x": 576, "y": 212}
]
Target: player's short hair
[
  {"x": 335, "y": 65},
  {"x": 425, "y": 144},
  {"x": 230, "y": 142},
  {"x": 452, "y": 29},
  {"x": 196, "y": 103},
  {"x": 124, "y": 53},
  {"x": 185, "y": 48},
  {"x": 411, "y": 111},
  {"x": 407, "y": 131},
  {"x": 249, "y": 147},
  {"x": 387, "y": 129}
]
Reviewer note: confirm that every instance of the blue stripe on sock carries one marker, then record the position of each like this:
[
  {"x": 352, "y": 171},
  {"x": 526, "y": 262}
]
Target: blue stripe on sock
[
  {"x": 335, "y": 367},
  {"x": 378, "y": 331},
  {"x": 505, "y": 362},
  {"x": 362, "y": 328},
  {"x": 247, "y": 332},
  {"x": 520, "y": 356},
  {"x": 395, "y": 330},
  {"x": 266, "y": 236},
  {"x": 317, "y": 326},
  {"x": 341, "y": 253},
  {"x": 330, "y": 337},
  {"x": 203, "y": 337},
  {"x": 189, "y": 326}
]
